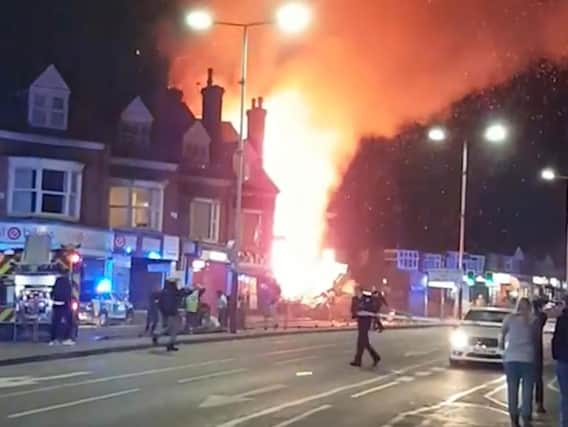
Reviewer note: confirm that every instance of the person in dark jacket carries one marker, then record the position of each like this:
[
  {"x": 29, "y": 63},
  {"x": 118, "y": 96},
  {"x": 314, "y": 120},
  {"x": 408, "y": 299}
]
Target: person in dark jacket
[
  {"x": 170, "y": 299},
  {"x": 61, "y": 316},
  {"x": 560, "y": 355},
  {"x": 153, "y": 314},
  {"x": 540, "y": 319},
  {"x": 364, "y": 308}
]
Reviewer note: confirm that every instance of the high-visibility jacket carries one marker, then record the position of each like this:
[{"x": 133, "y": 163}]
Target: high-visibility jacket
[{"x": 192, "y": 302}]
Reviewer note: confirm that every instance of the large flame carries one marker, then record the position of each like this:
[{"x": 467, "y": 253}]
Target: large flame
[{"x": 299, "y": 158}]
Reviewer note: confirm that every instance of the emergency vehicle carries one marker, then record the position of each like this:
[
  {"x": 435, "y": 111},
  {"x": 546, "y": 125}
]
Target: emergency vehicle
[{"x": 27, "y": 277}]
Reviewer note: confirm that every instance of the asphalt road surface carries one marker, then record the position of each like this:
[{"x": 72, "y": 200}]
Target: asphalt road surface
[{"x": 295, "y": 380}]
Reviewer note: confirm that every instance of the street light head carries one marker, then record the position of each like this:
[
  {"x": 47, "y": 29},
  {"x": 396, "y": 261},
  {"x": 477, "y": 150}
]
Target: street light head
[
  {"x": 437, "y": 134},
  {"x": 199, "y": 20},
  {"x": 548, "y": 174},
  {"x": 496, "y": 132},
  {"x": 293, "y": 17}
]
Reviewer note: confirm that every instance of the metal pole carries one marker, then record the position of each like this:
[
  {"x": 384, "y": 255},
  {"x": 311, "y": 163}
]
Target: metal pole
[
  {"x": 240, "y": 180},
  {"x": 462, "y": 226},
  {"x": 566, "y": 230}
]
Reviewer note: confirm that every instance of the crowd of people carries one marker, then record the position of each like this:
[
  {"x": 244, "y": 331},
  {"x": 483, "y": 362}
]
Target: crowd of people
[
  {"x": 522, "y": 342},
  {"x": 167, "y": 304}
]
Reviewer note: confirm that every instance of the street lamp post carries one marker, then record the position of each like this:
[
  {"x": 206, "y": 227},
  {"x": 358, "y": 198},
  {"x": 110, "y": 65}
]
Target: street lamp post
[
  {"x": 494, "y": 133},
  {"x": 550, "y": 174},
  {"x": 291, "y": 17}
]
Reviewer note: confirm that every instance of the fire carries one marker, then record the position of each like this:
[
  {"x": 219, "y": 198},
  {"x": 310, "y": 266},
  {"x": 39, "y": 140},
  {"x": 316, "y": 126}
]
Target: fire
[{"x": 300, "y": 158}]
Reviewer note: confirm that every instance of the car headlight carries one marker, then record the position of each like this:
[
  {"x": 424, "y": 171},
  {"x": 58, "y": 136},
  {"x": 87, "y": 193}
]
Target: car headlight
[{"x": 458, "y": 339}]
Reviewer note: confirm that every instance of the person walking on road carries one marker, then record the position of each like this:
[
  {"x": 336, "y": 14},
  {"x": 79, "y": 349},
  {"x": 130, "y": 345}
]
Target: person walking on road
[
  {"x": 222, "y": 308},
  {"x": 62, "y": 314},
  {"x": 560, "y": 355},
  {"x": 364, "y": 308},
  {"x": 517, "y": 339},
  {"x": 540, "y": 319},
  {"x": 169, "y": 303},
  {"x": 153, "y": 314}
]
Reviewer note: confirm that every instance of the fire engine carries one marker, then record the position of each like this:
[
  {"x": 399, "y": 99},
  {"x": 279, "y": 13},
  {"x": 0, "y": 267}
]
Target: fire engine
[{"x": 27, "y": 277}]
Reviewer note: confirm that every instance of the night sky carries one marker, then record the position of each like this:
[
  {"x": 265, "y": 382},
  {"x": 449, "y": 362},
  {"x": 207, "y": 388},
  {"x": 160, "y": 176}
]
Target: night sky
[{"x": 409, "y": 186}]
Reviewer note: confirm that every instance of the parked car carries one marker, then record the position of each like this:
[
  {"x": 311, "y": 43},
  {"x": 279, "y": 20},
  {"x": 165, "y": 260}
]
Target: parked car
[
  {"x": 476, "y": 338},
  {"x": 106, "y": 308}
]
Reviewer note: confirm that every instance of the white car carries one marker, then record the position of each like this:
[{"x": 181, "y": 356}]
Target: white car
[{"x": 477, "y": 337}]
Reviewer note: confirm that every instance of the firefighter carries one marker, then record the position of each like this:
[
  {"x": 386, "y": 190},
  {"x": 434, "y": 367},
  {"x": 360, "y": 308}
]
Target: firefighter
[{"x": 62, "y": 314}]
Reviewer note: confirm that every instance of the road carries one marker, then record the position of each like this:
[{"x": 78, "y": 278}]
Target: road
[{"x": 296, "y": 380}]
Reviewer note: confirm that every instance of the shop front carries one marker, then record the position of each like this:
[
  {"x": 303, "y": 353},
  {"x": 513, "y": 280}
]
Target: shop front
[
  {"x": 208, "y": 266},
  {"x": 141, "y": 262},
  {"x": 94, "y": 246}
]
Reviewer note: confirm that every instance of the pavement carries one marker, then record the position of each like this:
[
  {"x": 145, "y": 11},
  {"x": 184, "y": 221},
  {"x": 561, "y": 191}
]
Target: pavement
[{"x": 301, "y": 380}]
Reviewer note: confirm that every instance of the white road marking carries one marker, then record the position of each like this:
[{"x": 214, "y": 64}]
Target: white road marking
[
  {"x": 114, "y": 378},
  {"x": 303, "y": 416},
  {"x": 449, "y": 401},
  {"x": 489, "y": 396},
  {"x": 374, "y": 389},
  {"x": 553, "y": 385},
  {"x": 406, "y": 379},
  {"x": 304, "y": 373},
  {"x": 423, "y": 373},
  {"x": 73, "y": 403},
  {"x": 277, "y": 408},
  {"x": 63, "y": 376},
  {"x": 420, "y": 353},
  {"x": 439, "y": 369},
  {"x": 297, "y": 359},
  {"x": 11, "y": 382},
  {"x": 212, "y": 375},
  {"x": 298, "y": 350},
  {"x": 216, "y": 400}
]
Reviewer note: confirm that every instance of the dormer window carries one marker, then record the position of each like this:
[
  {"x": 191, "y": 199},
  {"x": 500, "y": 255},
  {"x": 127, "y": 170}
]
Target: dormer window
[
  {"x": 135, "y": 124},
  {"x": 134, "y": 133},
  {"x": 48, "y": 101},
  {"x": 48, "y": 111}
]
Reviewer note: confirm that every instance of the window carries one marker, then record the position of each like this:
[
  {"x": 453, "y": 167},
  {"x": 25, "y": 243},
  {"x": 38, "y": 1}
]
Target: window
[
  {"x": 48, "y": 110},
  {"x": 136, "y": 205},
  {"x": 44, "y": 187},
  {"x": 204, "y": 220},
  {"x": 134, "y": 133},
  {"x": 252, "y": 226}
]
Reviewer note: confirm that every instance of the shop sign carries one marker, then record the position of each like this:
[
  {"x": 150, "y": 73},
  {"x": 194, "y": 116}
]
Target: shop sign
[
  {"x": 125, "y": 242},
  {"x": 150, "y": 244},
  {"x": 540, "y": 280},
  {"x": 159, "y": 267},
  {"x": 171, "y": 248},
  {"x": 89, "y": 240},
  {"x": 443, "y": 275}
]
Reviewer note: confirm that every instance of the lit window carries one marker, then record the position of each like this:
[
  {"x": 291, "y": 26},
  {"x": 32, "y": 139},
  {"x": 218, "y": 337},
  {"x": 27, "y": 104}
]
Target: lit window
[
  {"x": 44, "y": 187},
  {"x": 48, "y": 110},
  {"x": 252, "y": 226},
  {"x": 204, "y": 220},
  {"x": 136, "y": 206}
]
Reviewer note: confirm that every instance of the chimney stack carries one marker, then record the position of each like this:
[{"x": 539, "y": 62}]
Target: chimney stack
[
  {"x": 212, "y": 108},
  {"x": 256, "y": 123}
]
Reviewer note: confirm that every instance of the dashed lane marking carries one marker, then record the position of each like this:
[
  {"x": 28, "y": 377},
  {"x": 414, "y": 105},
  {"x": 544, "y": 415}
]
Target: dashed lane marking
[
  {"x": 73, "y": 403},
  {"x": 303, "y": 416}
]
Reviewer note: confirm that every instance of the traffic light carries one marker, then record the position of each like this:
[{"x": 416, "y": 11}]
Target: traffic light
[
  {"x": 470, "y": 278},
  {"x": 488, "y": 277}
]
